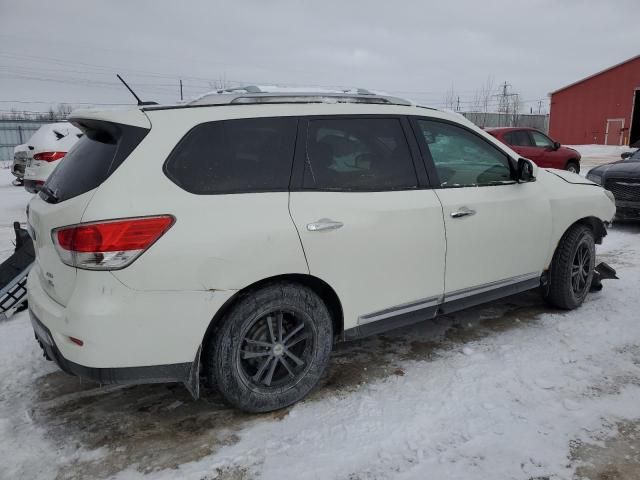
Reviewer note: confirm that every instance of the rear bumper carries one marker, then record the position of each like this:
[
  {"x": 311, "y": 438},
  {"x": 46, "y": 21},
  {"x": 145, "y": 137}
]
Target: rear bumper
[
  {"x": 128, "y": 336},
  {"x": 36, "y": 173},
  {"x": 179, "y": 372}
]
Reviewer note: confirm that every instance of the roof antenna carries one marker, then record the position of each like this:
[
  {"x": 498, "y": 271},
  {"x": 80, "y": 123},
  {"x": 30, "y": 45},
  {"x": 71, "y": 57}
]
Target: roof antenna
[{"x": 140, "y": 102}]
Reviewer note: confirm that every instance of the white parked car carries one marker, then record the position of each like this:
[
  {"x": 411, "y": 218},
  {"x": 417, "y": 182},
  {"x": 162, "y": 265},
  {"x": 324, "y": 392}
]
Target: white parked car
[
  {"x": 242, "y": 234},
  {"x": 47, "y": 147}
]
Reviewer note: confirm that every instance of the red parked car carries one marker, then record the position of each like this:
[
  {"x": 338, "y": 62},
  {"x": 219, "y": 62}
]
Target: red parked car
[{"x": 536, "y": 146}]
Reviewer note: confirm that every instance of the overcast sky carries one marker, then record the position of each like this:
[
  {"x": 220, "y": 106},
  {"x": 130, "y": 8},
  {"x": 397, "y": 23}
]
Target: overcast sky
[{"x": 69, "y": 50}]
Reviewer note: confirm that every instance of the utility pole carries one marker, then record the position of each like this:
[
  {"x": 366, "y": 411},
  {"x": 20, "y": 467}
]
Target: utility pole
[
  {"x": 505, "y": 99},
  {"x": 458, "y": 104},
  {"x": 504, "y": 104},
  {"x": 181, "y": 97},
  {"x": 540, "y": 106}
]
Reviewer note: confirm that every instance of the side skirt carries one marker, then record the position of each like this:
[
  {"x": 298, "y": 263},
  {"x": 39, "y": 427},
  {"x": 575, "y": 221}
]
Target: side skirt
[{"x": 427, "y": 309}]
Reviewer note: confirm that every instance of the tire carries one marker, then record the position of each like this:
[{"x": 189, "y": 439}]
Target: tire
[
  {"x": 572, "y": 166},
  {"x": 281, "y": 324},
  {"x": 572, "y": 268}
]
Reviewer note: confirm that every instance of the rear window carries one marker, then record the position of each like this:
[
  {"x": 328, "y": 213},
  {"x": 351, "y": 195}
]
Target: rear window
[
  {"x": 97, "y": 154},
  {"x": 519, "y": 138},
  {"x": 235, "y": 156}
]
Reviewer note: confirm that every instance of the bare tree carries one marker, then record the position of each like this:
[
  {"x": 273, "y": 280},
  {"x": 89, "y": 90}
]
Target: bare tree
[
  {"x": 482, "y": 99},
  {"x": 450, "y": 99},
  {"x": 64, "y": 110}
]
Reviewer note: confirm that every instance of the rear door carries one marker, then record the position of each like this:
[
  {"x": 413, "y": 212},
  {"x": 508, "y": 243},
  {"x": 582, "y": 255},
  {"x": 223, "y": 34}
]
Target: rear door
[
  {"x": 66, "y": 194},
  {"x": 369, "y": 227},
  {"x": 497, "y": 230}
]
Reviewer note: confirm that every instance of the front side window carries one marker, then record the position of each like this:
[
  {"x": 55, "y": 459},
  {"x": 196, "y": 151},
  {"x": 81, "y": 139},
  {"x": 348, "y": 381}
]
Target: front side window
[
  {"x": 462, "y": 158},
  {"x": 234, "y": 156},
  {"x": 357, "y": 154},
  {"x": 518, "y": 138},
  {"x": 541, "y": 140}
]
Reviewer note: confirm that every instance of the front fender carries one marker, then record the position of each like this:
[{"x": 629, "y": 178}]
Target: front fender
[{"x": 572, "y": 202}]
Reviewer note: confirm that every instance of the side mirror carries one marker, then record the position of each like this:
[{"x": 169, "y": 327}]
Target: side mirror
[
  {"x": 525, "y": 171},
  {"x": 556, "y": 145},
  {"x": 625, "y": 155}
]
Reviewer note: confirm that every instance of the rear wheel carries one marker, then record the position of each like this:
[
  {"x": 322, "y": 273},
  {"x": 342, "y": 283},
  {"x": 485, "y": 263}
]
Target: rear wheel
[
  {"x": 573, "y": 166},
  {"x": 572, "y": 268},
  {"x": 271, "y": 348}
]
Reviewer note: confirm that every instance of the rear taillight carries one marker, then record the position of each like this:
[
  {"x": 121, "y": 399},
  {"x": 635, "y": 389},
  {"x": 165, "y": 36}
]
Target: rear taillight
[
  {"x": 111, "y": 244},
  {"x": 49, "y": 156}
]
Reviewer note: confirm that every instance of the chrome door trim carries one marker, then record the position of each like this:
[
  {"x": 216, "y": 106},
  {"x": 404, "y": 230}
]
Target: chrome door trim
[
  {"x": 486, "y": 287},
  {"x": 442, "y": 299},
  {"x": 399, "y": 309}
]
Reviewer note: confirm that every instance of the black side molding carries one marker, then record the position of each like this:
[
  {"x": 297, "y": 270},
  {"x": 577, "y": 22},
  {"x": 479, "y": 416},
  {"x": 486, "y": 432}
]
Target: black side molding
[{"x": 430, "y": 312}]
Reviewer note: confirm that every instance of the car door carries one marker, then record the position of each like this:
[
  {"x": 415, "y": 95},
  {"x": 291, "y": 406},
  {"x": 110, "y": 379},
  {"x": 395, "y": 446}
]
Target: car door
[
  {"x": 497, "y": 230},
  {"x": 369, "y": 228},
  {"x": 545, "y": 151}
]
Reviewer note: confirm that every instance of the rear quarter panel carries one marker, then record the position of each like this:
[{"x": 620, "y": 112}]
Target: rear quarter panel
[{"x": 218, "y": 242}]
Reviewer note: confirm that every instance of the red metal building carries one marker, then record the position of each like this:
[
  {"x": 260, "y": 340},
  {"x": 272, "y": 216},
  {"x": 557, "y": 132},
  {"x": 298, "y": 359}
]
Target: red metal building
[{"x": 603, "y": 108}]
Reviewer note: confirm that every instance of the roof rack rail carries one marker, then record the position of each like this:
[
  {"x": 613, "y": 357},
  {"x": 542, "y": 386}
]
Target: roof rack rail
[{"x": 254, "y": 94}]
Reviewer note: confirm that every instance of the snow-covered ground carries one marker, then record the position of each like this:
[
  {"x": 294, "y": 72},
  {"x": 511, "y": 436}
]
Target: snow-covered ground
[
  {"x": 593, "y": 155},
  {"x": 510, "y": 390}
]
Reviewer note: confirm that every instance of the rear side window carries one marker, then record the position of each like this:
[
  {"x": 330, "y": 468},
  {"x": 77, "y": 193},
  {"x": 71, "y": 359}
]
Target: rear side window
[
  {"x": 519, "y": 138},
  {"x": 94, "y": 157},
  {"x": 358, "y": 154},
  {"x": 235, "y": 156}
]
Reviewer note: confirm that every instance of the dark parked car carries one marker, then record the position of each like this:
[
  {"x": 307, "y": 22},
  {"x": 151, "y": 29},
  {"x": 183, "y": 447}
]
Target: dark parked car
[
  {"x": 536, "y": 146},
  {"x": 622, "y": 178}
]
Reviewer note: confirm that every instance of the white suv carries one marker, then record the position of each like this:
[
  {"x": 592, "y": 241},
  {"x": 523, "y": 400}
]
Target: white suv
[
  {"x": 46, "y": 148},
  {"x": 240, "y": 235}
]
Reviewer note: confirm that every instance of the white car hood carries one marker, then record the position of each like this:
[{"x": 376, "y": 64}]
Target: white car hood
[{"x": 570, "y": 177}]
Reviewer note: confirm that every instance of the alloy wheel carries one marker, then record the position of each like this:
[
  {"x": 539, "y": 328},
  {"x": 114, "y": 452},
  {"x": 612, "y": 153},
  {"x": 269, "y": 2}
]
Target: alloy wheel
[
  {"x": 276, "y": 350},
  {"x": 580, "y": 269}
]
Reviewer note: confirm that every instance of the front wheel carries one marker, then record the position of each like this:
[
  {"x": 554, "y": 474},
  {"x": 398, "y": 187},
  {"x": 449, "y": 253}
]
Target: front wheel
[
  {"x": 572, "y": 268},
  {"x": 573, "y": 166},
  {"x": 271, "y": 348}
]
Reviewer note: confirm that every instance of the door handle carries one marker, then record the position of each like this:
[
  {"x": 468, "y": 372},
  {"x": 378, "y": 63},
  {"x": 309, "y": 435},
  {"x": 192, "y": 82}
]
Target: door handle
[
  {"x": 324, "y": 224},
  {"x": 463, "y": 212}
]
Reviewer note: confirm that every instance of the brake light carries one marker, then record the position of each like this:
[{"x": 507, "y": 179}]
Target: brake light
[
  {"x": 111, "y": 244},
  {"x": 49, "y": 156}
]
